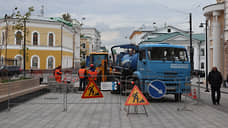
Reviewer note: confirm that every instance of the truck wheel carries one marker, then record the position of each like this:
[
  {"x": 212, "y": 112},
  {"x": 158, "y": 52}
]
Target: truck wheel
[{"x": 177, "y": 97}]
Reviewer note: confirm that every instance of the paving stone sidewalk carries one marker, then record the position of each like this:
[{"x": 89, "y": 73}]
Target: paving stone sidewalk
[{"x": 109, "y": 112}]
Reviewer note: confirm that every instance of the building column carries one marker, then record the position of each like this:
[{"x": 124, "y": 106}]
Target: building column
[
  {"x": 209, "y": 38},
  {"x": 225, "y": 39},
  {"x": 196, "y": 56},
  {"x": 216, "y": 41}
]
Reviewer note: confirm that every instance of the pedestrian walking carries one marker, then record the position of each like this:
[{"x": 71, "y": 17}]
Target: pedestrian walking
[
  {"x": 215, "y": 80},
  {"x": 82, "y": 77}
]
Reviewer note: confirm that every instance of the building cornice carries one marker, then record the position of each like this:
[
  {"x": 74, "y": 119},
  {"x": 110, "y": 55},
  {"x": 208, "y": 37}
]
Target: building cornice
[{"x": 213, "y": 7}]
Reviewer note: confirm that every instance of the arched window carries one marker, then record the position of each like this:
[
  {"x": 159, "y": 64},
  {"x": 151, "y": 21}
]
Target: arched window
[
  {"x": 19, "y": 61},
  {"x": 50, "y": 63},
  {"x": 83, "y": 45},
  {"x": 202, "y": 65},
  {"x": 18, "y": 37},
  {"x": 35, "y": 38},
  {"x": 35, "y": 64},
  {"x": 50, "y": 39},
  {"x": 2, "y": 60},
  {"x": 3, "y": 38}
]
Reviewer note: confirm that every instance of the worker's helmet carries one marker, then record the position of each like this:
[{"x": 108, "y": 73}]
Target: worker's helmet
[{"x": 91, "y": 65}]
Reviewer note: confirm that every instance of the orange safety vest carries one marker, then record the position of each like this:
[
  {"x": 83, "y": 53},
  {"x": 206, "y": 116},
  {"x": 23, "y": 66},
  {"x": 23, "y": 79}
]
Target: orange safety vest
[
  {"x": 58, "y": 74},
  {"x": 81, "y": 73},
  {"x": 92, "y": 75}
]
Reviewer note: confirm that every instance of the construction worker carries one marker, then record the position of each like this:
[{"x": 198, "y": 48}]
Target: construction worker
[
  {"x": 82, "y": 77},
  {"x": 58, "y": 74},
  {"x": 92, "y": 73}
]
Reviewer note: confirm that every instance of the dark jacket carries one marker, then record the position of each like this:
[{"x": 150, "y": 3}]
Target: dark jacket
[
  {"x": 92, "y": 69},
  {"x": 215, "y": 79}
]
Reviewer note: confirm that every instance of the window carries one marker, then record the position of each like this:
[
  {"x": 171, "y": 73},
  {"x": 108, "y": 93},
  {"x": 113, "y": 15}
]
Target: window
[
  {"x": 168, "y": 30},
  {"x": 19, "y": 61},
  {"x": 50, "y": 40},
  {"x": 142, "y": 54},
  {"x": 3, "y": 38},
  {"x": 167, "y": 53},
  {"x": 83, "y": 45},
  {"x": 201, "y": 52},
  {"x": 35, "y": 38},
  {"x": 202, "y": 65},
  {"x": 2, "y": 60},
  {"x": 35, "y": 62},
  {"x": 50, "y": 63},
  {"x": 18, "y": 37}
]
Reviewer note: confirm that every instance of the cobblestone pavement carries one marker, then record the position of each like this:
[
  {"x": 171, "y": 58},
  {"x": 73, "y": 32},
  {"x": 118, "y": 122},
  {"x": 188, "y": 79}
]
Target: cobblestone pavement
[{"x": 46, "y": 111}]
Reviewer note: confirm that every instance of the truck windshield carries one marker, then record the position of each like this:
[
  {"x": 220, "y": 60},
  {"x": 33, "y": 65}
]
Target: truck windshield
[
  {"x": 167, "y": 53},
  {"x": 97, "y": 59}
]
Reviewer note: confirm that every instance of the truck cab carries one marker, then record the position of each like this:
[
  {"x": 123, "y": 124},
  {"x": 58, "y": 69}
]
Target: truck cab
[{"x": 163, "y": 62}]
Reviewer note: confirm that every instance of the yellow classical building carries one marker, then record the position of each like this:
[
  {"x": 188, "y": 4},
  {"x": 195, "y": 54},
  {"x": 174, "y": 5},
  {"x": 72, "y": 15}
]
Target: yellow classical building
[
  {"x": 85, "y": 46},
  {"x": 49, "y": 42},
  {"x": 217, "y": 55}
]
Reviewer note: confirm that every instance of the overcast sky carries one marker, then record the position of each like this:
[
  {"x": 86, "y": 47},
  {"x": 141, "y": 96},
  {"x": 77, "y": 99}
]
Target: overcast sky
[{"x": 116, "y": 19}]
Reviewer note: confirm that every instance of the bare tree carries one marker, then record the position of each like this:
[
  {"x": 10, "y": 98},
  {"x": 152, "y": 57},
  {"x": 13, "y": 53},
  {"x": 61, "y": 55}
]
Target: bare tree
[
  {"x": 67, "y": 17},
  {"x": 21, "y": 25}
]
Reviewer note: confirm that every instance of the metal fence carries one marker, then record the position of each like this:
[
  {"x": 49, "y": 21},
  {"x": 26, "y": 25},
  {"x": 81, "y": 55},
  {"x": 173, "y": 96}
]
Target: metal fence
[{"x": 43, "y": 89}]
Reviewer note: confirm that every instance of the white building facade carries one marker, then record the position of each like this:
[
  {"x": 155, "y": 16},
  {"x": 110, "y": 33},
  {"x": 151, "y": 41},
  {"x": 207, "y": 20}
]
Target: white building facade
[
  {"x": 95, "y": 36},
  {"x": 217, "y": 44}
]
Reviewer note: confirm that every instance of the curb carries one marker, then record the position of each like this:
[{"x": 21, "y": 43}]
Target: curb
[{"x": 222, "y": 91}]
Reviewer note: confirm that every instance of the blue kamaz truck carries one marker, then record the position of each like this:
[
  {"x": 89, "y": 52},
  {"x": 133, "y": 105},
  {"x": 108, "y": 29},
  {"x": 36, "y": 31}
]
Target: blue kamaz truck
[{"x": 145, "y": 63}]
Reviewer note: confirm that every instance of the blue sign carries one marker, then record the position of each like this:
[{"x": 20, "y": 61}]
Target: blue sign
[
  {"x": 114, "y": 85},
  {"x": 157, "y": 89}
]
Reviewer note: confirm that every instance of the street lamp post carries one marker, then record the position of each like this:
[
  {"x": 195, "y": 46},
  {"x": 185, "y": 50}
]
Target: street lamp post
[
  {"x": 74, "y": 23},
  {"x": 191, "y": 48},
  {"x": 24, "y": 49},
  {"x": 6, "y": 42},
  {"x": 206, "y": 25}
]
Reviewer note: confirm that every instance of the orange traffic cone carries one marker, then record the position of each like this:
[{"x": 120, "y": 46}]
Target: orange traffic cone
[{"x": 194, "y": 94}]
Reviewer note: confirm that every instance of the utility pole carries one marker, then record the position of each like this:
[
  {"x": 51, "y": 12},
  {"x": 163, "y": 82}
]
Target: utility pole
[
  {"x": 61, "y": 46},
  {"x": 0, "y": 54},
  {"x": 24, "y": 49},
  {"x": 74, "y": 47},
  {"x": 1, "y": 47},
  {"x": 207, "y": 90},
  {"x": 191, "y": 49},
  {"x": 6, "y": 20}
]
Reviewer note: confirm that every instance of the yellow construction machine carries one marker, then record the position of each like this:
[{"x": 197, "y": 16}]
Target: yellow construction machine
[{"x": 100, "y": 61}]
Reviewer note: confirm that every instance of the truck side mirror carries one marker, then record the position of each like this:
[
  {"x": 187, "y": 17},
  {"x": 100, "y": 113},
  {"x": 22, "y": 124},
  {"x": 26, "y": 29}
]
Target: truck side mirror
[{"x": 144, "y": 61}]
